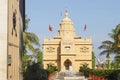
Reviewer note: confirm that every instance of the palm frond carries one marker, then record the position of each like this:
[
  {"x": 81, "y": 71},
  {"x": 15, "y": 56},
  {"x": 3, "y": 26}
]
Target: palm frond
[
  {"x": 107, "y": 42},
  {"x": 117, "y": 29},
  {"x": 103, "y": 52},
  {"x": 33, "y": 38},
  {"x": 107, "y": 47},
  {"x": 28, "y": 40},
  {"x": 26, "y": 23},
  {"x": 102, "y": 47},
  {"x": 112, "y": 34},
  {"x": 30, "y": 47},
  {"x": 38, "y": 50}
]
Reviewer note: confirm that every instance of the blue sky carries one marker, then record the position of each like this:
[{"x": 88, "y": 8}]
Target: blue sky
[{"x": 100, "y": 16}]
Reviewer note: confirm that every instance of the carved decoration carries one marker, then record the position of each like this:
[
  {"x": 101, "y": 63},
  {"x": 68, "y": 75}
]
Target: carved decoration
[
  {"x": 68, "y": 43},
  {"x": 84, "y": 49},
  {"x": 50, "y": 49},
  {"x": 14, "y": 23}
]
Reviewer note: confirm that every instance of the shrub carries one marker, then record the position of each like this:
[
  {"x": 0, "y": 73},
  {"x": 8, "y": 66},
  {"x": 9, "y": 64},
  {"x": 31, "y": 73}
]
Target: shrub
[
  {"x": 35, "y": 72},
  {"x": 51, "y": 69}
]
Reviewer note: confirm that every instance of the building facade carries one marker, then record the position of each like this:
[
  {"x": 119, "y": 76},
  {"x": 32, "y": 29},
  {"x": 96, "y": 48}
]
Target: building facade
[
  {"x": 12, "y": 18},
  {"x": 67, "y": 50}
]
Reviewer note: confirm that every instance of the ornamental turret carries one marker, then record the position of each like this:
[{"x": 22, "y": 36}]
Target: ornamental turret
[{"x": 66, "y": 27}]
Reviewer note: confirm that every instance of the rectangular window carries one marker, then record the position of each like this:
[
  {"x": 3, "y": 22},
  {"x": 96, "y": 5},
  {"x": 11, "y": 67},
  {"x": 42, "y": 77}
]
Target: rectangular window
[{"x": 9, "y": 60}]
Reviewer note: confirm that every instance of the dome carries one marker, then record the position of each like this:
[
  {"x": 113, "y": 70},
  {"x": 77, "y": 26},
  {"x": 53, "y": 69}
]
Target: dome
[
  {"x": 66, "y": 19},
  {"x": 66, "y": 27}
]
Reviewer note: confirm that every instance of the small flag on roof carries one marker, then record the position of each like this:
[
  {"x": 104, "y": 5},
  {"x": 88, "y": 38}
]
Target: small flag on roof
[
  {"x": 85, "y": 27},
  {"x": 50, "y": 28}
]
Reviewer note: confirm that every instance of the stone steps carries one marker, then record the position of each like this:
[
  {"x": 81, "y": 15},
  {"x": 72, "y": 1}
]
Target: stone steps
[{"x": 69, "y": 76}]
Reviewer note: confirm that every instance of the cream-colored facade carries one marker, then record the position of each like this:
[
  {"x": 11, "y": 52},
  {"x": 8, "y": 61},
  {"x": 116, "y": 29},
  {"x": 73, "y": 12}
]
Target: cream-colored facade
[
  {"x": 12, "y": 14},
  {"x": 66, "y": 49}
]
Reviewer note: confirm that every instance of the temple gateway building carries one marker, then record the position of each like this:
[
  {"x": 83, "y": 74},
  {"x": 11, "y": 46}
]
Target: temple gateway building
[{"x": 66, "y": 50}]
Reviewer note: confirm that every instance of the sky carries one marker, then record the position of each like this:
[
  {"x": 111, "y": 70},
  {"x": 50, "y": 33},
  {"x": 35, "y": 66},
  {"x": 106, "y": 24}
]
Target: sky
[{"x": 100, "y": 17}]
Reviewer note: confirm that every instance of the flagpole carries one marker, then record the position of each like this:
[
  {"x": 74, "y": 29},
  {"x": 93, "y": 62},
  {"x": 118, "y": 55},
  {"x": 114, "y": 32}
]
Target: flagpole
[
  {"x": 85, "y": 30},
  {"x": 50, "y": 29}
]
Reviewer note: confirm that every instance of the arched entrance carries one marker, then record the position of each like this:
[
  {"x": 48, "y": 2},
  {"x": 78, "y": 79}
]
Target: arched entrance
[{"x": 67, "y": 64}]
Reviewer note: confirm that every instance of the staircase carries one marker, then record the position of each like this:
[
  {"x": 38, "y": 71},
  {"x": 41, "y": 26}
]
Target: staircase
[{"x": 69, "y": 76}]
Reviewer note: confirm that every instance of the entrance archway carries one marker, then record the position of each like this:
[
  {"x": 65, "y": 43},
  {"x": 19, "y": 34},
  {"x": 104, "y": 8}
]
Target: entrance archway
[{"x": 67, "y": 64}]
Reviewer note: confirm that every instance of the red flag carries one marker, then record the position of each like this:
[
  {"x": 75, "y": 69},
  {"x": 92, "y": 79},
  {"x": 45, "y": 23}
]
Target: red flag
[
  {"x": 85, "y": 27},
  {"x": 50, "y": 28}
]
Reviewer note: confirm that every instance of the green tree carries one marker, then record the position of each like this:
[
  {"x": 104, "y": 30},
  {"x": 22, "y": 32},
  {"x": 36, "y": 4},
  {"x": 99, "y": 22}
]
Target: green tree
[
  {"x": 107, "y": 49},
  {"x": 111, "y": 46},
  {"x": 117, "y": 60},
  {"x": 27, "y": 20},
  {"x": 32, "y": 70},
  {"x": 93, "y": 60},
  {"x": 50, "y": 69},
  {"x": 39, "y": 57},
  {"x": 115, "y": 35},
  {"x": 35, "y": 72},
  {"x": 24, "y": 62},
  {"x": 29, "y": 41}
]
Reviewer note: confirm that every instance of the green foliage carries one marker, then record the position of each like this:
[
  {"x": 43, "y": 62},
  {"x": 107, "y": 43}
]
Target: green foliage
[
  {"x": 118, "y": 77},
  {"x": 51, "y": 69},
  {"x": 113, "y": 74},
  {"x": 85, "y": 70},
  {"x": 35, "y": 72},
  {"x": 24, "y": 62},
  {"x": 107, "y": 49},
  {"x": 115, "y": 35},
  {"x": 30, "y": 42},
  {"x": 116, "y": 63},
  {"x": 93, "y": 60},
  {"x": 117, "y": 58},
  {"x": 113, "y": 46},
  {"x": 109, "y": 74},
  {"x": 30, "y": 39},
  {"x": 39, "y": 56},
  {"x": 27, "y": 20}
]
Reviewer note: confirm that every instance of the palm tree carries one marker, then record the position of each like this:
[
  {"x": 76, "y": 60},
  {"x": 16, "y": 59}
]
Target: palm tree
[
  {"x": 27, "y": 20},
  {"x": 39, "y": 57},
  {"x": 117, "y": 60},
  {"x": 117, "y": 39},
  {"x": 30, "y": 41},
  {"x": 111, "y": 46},
  {"x": 107, "y": 49},
  {"x": 93, "y": 60},
  {"x": 115, "y": 35}
]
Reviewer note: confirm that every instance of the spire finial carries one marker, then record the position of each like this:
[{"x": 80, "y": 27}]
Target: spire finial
[{"x": 66, "y": 13}]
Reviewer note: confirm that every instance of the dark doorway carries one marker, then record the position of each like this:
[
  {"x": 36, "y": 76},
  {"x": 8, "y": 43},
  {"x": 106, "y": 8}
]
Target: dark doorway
[{"x": 67, "y": 63}]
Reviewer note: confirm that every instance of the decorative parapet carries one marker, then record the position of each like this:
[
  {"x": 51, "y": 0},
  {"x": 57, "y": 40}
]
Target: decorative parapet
[
  {"x": 51, "y": 41},
  {"x": 83, "y": 41}
]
